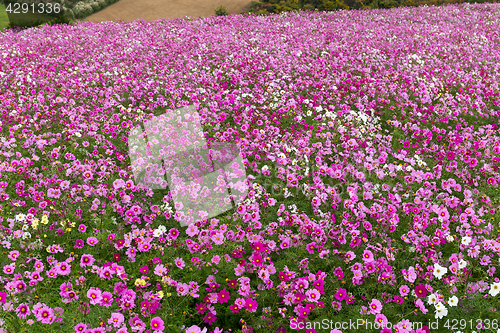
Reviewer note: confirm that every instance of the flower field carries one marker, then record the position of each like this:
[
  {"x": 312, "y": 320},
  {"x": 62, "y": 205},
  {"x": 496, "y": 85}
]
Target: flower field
[{"x": 371, "y": 146}]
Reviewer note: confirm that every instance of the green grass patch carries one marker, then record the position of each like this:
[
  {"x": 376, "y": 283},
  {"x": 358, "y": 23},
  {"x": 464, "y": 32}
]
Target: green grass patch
[{"x": 4, "y": 19}]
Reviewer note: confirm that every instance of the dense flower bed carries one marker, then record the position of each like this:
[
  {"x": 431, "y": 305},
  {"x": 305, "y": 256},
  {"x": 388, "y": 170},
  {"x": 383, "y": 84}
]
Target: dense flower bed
[{"x": 371, "y": 145}]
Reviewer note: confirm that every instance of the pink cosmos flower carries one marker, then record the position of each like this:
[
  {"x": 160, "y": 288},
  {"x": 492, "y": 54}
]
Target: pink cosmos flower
[
  {"x": 173, "y": 233},
  {"x": 420, "y": 304},
  {"x": 337, "y": 305},
  {"x": 313, "y": 295},
  {"x": 87, "y": 260},
  {"x": 45, "y": 315},
  {"x": 409, "y": 275},
  {"x": 179, "y": 262},
  {"x": 95, "y": 295},
  {"x": 367, "y": 256},
  {"x": 239, "y": 270},
  {"x": 375, "y": 306},
  {"x": 137, "y": 324},
  {"x": 404, "y": 290},
  {"x": 116, "y": 319},
  {"x": 234, "y": 308},
  {"x": 380, "y": 320},
  {"x": 92, "y": 241},
  {"x": 350, "y": 255},
  {"x": 13, "y": 255},
  {"x": 81, "y": 327},
  {"x": 240, "y": 302},
  {"x": 65, "y": 288},
  {"x": 216, "y": 259},
  {"x": 9, "y": 269},
  {"x": 160, "y": 270},
  {"x": 285, "y": 244},
  {"x": 192, "y": 230},
  {"x": 63, "y": 268},
  {"x": 404, "y": 326},
  {"x": 217, "y": 238},
  {"x": 195, "y": 329},
  {"x": 23, "y": 311}
]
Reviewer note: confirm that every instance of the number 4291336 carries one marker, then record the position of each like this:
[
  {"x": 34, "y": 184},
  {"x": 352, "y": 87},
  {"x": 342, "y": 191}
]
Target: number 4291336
[
  {"x": 455, "y": 324},
  {"x": 40, "y": 8}
]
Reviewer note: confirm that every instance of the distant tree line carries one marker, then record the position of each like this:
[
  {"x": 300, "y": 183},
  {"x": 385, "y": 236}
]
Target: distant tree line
[{"x": 278, "y": 6}]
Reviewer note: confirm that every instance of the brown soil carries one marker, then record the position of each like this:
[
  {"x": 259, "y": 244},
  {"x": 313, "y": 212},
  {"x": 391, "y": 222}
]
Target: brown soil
[{"x": 151, "y": 10}]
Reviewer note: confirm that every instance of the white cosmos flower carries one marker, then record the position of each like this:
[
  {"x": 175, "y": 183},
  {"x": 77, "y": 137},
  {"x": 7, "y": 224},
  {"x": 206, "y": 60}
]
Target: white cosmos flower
[
  {"x": 466, "y": 240},
  {"x": 453, "y": 301},
  {"x": 439, "y": 306},
  {"x": 441, "y": 312},
  {"x": 495, "y": 289},
  {"x": 432, "y": 299},
  {"x": 439, "y": 271},
  {"x": 462, "y": 263}
]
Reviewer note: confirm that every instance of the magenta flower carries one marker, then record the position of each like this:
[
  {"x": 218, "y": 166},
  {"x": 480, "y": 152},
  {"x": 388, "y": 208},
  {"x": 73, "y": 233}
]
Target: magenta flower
[
  {"x": 234, "y": 308},
  {"x": 106, "y": 299},
  {"x": 341, "y": 294},
  {"x": 201, "y": 308},
  {"x": 195, "y": 260},
  {"x": 79, "y": 244},
  {"x": 251, "y": 305},
  {"x": 223, "y": 296},
  {"x": 157, "y": 324},
  {"x": 209, "y": 318},
  {"x": 173, "y": 233},
  {"x": 420, "y": 290}
]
